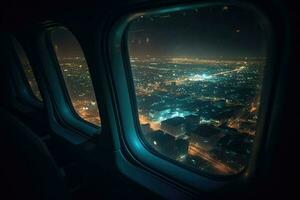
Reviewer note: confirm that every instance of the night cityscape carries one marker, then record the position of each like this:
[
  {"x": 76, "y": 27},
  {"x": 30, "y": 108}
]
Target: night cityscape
[
  {"x": 197, "y": 87},
  {"x": 76, "y": 75},
  {"x": 197, "y": 76},
  {"x": 78, "y": 82},
  {"x": 27, "y": 69},
  {"x": 32, "y": 81},
  {"x": 202, "y": 113}
]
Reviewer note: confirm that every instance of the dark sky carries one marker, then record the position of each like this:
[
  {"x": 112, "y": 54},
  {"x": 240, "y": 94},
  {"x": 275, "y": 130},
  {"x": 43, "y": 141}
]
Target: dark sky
[
  {"x": 211, "y": 32},
  {"x": 65, "y": 43}
]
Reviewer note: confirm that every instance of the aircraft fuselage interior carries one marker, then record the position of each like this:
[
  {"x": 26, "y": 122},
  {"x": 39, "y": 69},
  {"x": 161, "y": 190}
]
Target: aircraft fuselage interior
[{"x": 149, "y": 99}]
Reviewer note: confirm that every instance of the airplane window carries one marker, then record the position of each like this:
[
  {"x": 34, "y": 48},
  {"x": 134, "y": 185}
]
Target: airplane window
[
  {"x": 27, "y": 70},
  {"x": 76, "y": 75},
  {"x": 197, "y": 76}
]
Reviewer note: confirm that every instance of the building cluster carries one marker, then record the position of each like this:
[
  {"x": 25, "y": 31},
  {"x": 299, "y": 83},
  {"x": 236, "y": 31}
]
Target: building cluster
[{"x": 201, "y": 113}]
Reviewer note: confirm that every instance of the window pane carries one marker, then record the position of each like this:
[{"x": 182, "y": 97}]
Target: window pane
[
  {"x": 27, "y": 70},
  {"x": 76, "y": 75},
  {"x": 198, "y": 76}
]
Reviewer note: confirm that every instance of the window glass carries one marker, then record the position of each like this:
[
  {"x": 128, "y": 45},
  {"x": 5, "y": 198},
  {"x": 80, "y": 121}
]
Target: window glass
[
  {"x": 198, "y": 76},
  {"x": 76, "y": 75},
  {"x": 27, "y": 70}
]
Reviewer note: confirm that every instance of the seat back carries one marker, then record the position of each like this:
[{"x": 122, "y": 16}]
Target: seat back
[{"x": 27, "y": 169}]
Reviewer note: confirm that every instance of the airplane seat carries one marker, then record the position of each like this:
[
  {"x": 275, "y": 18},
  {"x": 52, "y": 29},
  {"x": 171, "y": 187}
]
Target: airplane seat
[{"x": 27, "y": 169}]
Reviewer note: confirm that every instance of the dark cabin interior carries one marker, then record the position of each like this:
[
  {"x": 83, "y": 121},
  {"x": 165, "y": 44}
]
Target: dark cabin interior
[{"x": 149, "y": 99}]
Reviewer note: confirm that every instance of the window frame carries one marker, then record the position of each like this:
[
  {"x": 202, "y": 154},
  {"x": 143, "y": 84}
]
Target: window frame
[
  {"x": 128, "y": 115},
  {"x": 24, "y": 91},
  {"x": 63, "y": 117},
  {"x": 62, "y": 78}
]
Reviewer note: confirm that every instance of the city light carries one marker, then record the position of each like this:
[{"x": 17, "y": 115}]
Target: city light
[
  {"x": 197, "y": 85},
  {"x": 199, "y": 77},
  {"x": 194, "y": 114}
]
